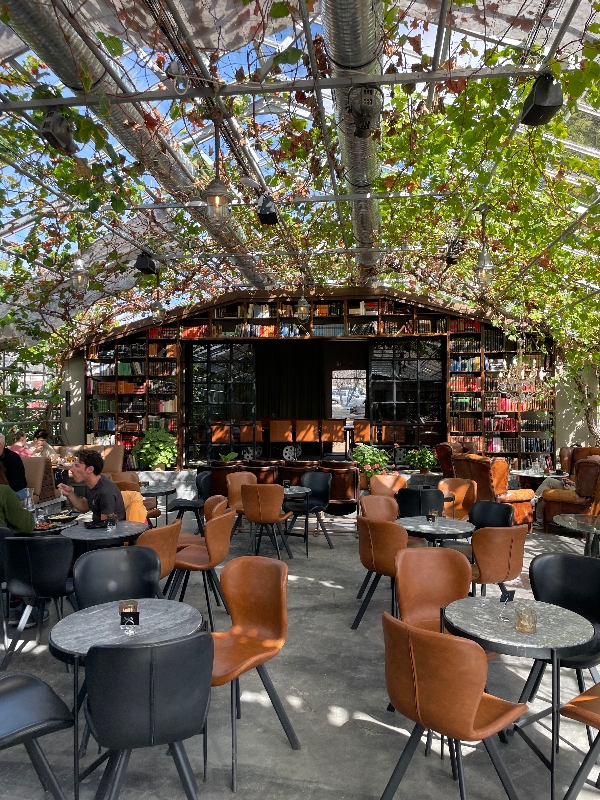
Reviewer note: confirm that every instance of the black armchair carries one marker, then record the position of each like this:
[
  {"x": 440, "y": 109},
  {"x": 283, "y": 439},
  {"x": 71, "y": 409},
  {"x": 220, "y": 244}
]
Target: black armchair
[
  {"x": 319, "y": 484},
  {"x": 197, "y": 505},
  {"x": 116, "y": 573}
]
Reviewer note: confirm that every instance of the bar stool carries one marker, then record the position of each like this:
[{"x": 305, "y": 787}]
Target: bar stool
[
  {"x": 307, "y": 431},
  {"x": 332, "y": 430},
  {"x": 251, "y": 433},
  {"x": 281, "y": 432}
]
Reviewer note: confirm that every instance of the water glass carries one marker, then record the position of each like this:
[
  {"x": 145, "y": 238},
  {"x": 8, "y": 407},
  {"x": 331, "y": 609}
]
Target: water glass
[
  {"x": 286, "y": 484},
  {"x": 130, "y": 618},
  {"x": 111, "y": 522},
  {"x": 526, "y": 619},
  {"x": 433, "y": 515}
]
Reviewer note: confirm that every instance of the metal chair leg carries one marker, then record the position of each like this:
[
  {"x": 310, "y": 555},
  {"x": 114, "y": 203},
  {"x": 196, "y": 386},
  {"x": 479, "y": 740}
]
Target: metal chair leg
[
  {"x": 284, "y": 539},
  {"x": 452, "y": 759},
  {"x": 41, "y": 608},
  {"x": 236, "y": 525},
  {"x": 208, "y": 604},
  {"x": 319, "y": 516},
  {"x": 428, "y": 743},
  {"x": 233, "y": 739},
  {"x": 492, "y": 750},
  {"x": 364, "y": 585},
  {"x": 217, "y": 585},
  {"x": 366, "y": 602},
  {"x": 213, "y": 588},
  {"x": 186, "y": 580},
  {"x": 461, "y": 770},
  {"x": 403, "y": 762},
  {"x": 205, "y": 750},
  {"x": 184, "y": 769},
  {"x": 278, "y": 706},
  {"x": 43, "y": 769},
  {"x": 119, "y": 775}
]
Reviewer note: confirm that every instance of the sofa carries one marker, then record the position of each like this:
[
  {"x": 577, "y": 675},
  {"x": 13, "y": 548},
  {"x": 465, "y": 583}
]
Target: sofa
[{"x": 112, "y": 454}]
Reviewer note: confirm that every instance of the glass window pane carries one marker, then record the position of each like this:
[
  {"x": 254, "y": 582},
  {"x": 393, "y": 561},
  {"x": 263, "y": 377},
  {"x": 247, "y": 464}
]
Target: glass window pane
[
  {"x": 407, "y": 370},
  {"x": 430, "y": 370},
  {"x": 382, "y": 392},
  {"x": 430, "y": 348},
  {"x": 220, "y": 352}
]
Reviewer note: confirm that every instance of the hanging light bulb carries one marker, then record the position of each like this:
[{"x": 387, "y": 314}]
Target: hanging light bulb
[
  {"x": 303, "y": 309},
  {"x": 157, "y": 312},
  {"x": 216, "y": 195},
  {"x": 484, "y": 269},
  {"x": 79, "y": 277}
]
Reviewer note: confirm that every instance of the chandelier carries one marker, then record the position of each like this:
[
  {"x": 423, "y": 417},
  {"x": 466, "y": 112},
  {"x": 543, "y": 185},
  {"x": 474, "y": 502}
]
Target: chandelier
[{"x": 522, "y": 380}]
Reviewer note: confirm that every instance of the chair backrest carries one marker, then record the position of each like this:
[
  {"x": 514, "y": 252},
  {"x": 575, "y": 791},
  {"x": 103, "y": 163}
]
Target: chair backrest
[
  {"x": 122, "y": 478},
  {"x": 281, "y": 430},
  {"x": 319, "y": 484},
  {"x": 498, "y": 553},
  {"x": 250, "y": 432},
  {"x": 218, "y": 478},
  {"x": 135, "y": 510},
  {"x": 307, "y": 430},
  {"x": 428, "y": 579},
  {"x": 255, "y": 589},
  {"x": 570, "y": 581},
  {"x": 478, "y": 469},
  {"x": 220, "y": 434},
  {"x": 34, "y": 475},
  {"x": 203, "y": 485},
  {"x": 37, "y": 566},
  {"x": 379, "y": 508},
  {"x": 4, "y": 532},
  {"x": 235, "y": 481},
  {"x": 116, "y": 573},
  {"x": 418, "y": 502},
  {"x": 262, "y": 502},
  {"x": 344, "y": 481},
  {"x": 488, "y": 514},
  {"x": 164, "y": 542},
  {"x": 217, "y": 535},
  {"x": 444, "y": 452},
  {"x": 387, "y": 484},
  {"x": 332, "y": 430},
  {"x": 581, "y": 453},
  {"x": 378, "y": 543},
  {"x": 215, "y": 506},
  {"x": 587, "y": 474},
  {"x": 434, "y": 679},
  {"x": 465, "y": 494},
  {"x": 362, "y": 431},
  {"x": 293, "y": 472},
  {"x": 113, "y": 455},
  {"x": 266, "y": 473},
  {"x": 139, "y": 695}
]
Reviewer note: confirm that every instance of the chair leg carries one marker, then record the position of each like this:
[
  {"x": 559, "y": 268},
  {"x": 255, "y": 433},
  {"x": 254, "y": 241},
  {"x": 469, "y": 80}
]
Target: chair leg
[
  {"x": 184, "y": 768},
  {"x": 238, "y": 699},
  {"x": 508, "y": 595},
  {"x": 483, "y": 589},
  {"x": 584, "y": 770},
  {"x": 290, "y": 525},
  {"x": 198, "y": 516},
  {"x": 15, "y": 639},
  {"x": 178, "y": 576},
  {"x": 319, "y": 516},
  {"x": 452, "y": 759},
  {"x": 205, "y": 750},
  {"x": 213, "y": 588},
  {"x": 119, "y": 775},
  {"x": 364, "y": 585},
  {"x": 428, "y": 742},
  {"x": 4, "y": 605},
  {"x": 366, "y": 601},
  {"x": 233, "y": 738},
  {"x": 236, "y": 525},
  {"x": 84, "y": 740},
  {"x": 186, "y": 580},
  {"x": 208, "y": 604},
  {"x": 461, "y": 770},
  {"x": 283, "y": 539},
  {"x": 217, "y": 584},
  {"x": 403, "y": 762},
  {"x": 278, "y": 706},
  {"x": 43, "y": 769},
  {"x": 41, "y": 608},
  {"x": 537, "y": 683},
  {"x": 393, "y": 587},
  {"x": 107, "y": 775},
  {"x": 260, "y": 535},
  {"x": 492, "y": 749}
]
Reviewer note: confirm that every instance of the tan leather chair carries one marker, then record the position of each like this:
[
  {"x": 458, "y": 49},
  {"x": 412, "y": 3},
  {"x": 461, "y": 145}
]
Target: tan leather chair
[
  {"x": 498, "y": 556},
  {"x": 255, "y": 589},
  {"x": 40, "y": 478},
  {"x": 130, "y": 480},
  {"x": 381, "y": 508},
  {"x": 438, "y": 682},
  {"x": 491, "y": 477},
  {"x": 378, "y": 543},
  {"x": 583, "y": 499},
  {"x": 235, "y": 481},
  {"x": 570, "y": 456},
  {"x": 387, "y": 484},
  {"x": 204, "y": 559},
  {"x": 427, "y": 580},
  {"x": 164, "y": 542},
  {"x": 465, "y": 494},
  {"x": 262, "y": 507},
  {"x": 113, "y": 455},
  {"x": 213, "y": 507},
  {"x": 444, "y": 452},
  {"x": 584, "y": 708}
]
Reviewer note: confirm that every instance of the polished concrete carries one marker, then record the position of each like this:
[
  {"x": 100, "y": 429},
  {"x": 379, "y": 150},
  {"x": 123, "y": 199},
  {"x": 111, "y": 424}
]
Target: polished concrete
[{"x": 331, "y": 681}]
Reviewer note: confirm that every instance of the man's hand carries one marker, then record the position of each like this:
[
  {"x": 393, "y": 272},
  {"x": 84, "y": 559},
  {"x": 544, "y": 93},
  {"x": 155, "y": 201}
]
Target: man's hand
[
  {"x": 66, "y": 489},
  {"x": 78, "y": 503}
]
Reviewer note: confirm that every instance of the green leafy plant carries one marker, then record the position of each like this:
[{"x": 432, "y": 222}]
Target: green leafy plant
[
  {"x": 228, "y": 457},
  {"x": 157, "y": 447},
  {"x": 421, "y": 458},
  {"x": 372, "y": 460}
]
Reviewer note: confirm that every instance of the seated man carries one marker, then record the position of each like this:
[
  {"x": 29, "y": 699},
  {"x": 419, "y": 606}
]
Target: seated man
[
  {"x": 549, "y": 483},
  {"x": 102, "y": 496},
  {"x": 40, "y": 447},
  {"x": 13, "y": 466}
]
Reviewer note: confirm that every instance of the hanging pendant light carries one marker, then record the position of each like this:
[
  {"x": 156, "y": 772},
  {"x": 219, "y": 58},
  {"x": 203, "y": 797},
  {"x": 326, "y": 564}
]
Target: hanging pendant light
[
  {"x": 303, "y": 307},
  {"x": 157, "y": 312},
  {"x": 484, "y": 269},
  {"x": 216, "y": 195},
  {"x": 79, "y": 277}
]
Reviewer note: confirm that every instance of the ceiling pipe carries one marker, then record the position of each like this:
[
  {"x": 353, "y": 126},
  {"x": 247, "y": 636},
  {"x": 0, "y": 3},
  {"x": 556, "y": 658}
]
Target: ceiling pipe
[
  {"x": 59, "y": 41},
  {"x": 353, "y": 33}
]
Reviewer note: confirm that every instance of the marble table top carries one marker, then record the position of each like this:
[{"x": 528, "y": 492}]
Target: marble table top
[
  {"x": 160, "y": 621},
  {"x": 586, "y": 523},
  {"x": 158, "y": 491},
  {"x": 557, "y": 628},
  {"x": 442, "y": 528},
  {"x": 296, "y": 491},
  {"x": 124, "y": 530}
]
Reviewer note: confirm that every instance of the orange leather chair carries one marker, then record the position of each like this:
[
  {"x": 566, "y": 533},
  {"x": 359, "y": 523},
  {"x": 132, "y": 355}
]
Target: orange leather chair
[
  {"x": 498, "y": 556},
  {"x": 379, "y": 508},
  {"x": 378, "y": 543},
  {"x": 584, "y": 499},
  {"x": 465, "y": 494},
  {"x": 491, "y": 477},
  {"x": 444, "y": 452},
  {"x": 130, "y": 481},
  {"x": 262, "y": 507},
  {"x": 438, "y": 682},
  {"x": 255, "y": 589},
  {"x": 387, "y": 484},
  {"x": 213, "y": 507},
  {"x": 584, "y": 708},
  {"x": 204, "y": 559},
  {"x": 235, "y": 481},
  {"x": 164, "y": 542},
  {"x": 427, "y": 580},
  {"x": 570, "y": 456}
]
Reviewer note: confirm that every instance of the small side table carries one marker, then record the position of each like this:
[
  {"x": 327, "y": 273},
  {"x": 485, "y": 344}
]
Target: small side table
[{"x": 160, "y": 491}]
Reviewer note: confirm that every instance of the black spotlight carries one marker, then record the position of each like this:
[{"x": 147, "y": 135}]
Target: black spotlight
[
  {"x": 266, "y": 210},
  {"x": 145, "y": 264},
  {"x": 455, "y": 248},
  {"x": 543, "y": 101}
]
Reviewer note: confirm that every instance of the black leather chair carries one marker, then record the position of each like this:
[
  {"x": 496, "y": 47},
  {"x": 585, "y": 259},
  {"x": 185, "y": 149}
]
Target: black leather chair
[
  {"x": 418, "y": 502},
  {"x": 569, "y": 581},
  {"x": 181, "y": 506},
  {"x": 4, "y": 605},
  {"x": 116, "y": 573},
  {"x": 319, "y": 484},
  {"x": 29, "y": 708},
  {"x": 146, "y": 695},
  {"x": 37, "y": 569},
  {"x": 487, "y": 514}
]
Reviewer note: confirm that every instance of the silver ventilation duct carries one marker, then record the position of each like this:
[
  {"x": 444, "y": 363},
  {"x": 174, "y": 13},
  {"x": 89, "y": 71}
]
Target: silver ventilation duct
[
  {"x": 60, "y": 44},
  {"x": 353, "y": 32}
]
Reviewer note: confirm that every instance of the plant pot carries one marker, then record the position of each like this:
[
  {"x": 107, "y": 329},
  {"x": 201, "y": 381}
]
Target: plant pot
[
  {"x": 162, "y": 467},
  {"x": 364, "y": 481},
  {"x": 424, "y": 470}
]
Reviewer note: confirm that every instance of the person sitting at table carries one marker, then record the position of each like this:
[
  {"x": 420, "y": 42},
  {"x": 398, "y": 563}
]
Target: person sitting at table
[
  {"x": 102, "y": 496},
  {"x": 40, "y": 447},
  {"x": 13, "y": 466},
  {"x": 548, "y": 483},
  {"x": 18, "y": 445},
  {"x": 12, "y": 513}
]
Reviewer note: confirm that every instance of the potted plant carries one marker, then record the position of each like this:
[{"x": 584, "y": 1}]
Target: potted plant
[
  {"x": 371, "y": 461},
  {"x": 227, "y": 457},
  {"x": 422, "y": 459},
  {"x": 157, "y": 450}
]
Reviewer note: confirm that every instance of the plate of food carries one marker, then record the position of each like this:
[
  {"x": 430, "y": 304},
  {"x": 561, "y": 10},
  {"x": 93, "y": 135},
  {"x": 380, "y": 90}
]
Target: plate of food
[
  {"x": 48, "y": 526},
  {"x": 63, "y": 516}
]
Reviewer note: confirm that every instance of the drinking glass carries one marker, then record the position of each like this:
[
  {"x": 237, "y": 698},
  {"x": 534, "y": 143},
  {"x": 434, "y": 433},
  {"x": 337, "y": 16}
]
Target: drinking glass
[
  {"x": 111, "y": 522},
  {"x": 286, "y": 484},
  {"x": 526, "y": 619},
  {"x": 128, "y": 611},
  {"x": 433, "y": 515}
]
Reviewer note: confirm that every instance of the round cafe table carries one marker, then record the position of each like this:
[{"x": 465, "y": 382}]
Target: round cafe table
[
  {"x": 160, "y": 491},
  {"x": 86, "y": 539},
  {"x": 583, "y": 523},
  {"x": 436, "y": 532},
  {"x": 559, "y": 633},
  {"x": 72, "y": 637}
]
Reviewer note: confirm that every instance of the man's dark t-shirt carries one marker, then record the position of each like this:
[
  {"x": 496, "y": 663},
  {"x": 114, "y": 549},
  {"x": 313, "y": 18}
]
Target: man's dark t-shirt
[
  {"x": 15, "y": 471},
  {"x": 105, "y": 498}
]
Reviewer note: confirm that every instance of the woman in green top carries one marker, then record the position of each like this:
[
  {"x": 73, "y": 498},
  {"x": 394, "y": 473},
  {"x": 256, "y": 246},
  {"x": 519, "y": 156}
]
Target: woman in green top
[{"x": 12, "y": 514}]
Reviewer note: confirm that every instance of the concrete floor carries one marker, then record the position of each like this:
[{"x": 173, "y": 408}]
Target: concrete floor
[{"x": 331, "y": 681}]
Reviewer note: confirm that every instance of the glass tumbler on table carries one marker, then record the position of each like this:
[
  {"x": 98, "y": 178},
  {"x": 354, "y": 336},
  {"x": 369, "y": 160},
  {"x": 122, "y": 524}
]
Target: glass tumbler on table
[
  {"x": 286, "y": 484},
  {"x": 111, "y": 522},
  {"x": 433, "y": 515}
]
